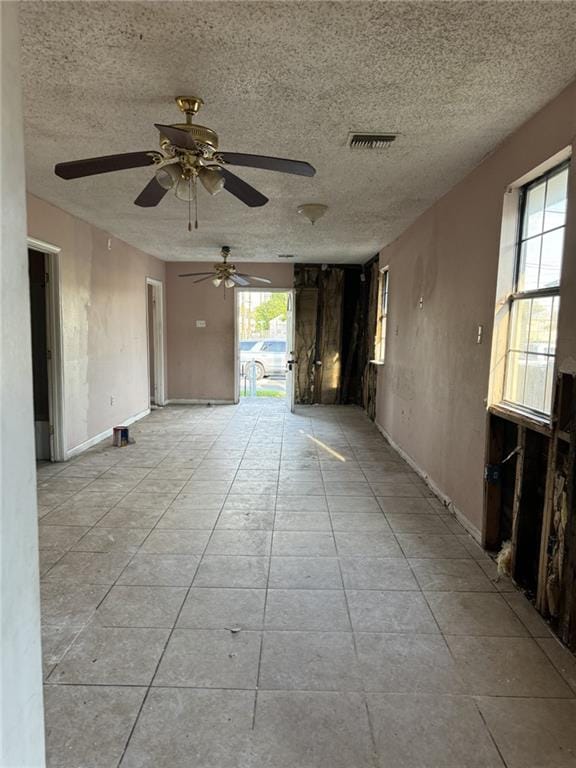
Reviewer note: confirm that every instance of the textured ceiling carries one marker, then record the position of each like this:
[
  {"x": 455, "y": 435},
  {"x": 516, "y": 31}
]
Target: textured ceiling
[{"x": 290, "y": 79}]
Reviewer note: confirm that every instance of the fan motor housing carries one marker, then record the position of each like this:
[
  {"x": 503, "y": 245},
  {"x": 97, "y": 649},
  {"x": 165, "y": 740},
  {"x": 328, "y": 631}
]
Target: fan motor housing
[{"x": 206, "y": 138}]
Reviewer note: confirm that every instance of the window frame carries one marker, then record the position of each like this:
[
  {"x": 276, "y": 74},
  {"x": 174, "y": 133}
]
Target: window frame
[
  {"x": 519, "y": 295},
  {"x": 382, "y": 315}
]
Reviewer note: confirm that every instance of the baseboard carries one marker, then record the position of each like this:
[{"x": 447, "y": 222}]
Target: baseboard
[
  {"x": 103, "y": 435},
  {"x": 197, "y": 401},
  {"x": 446, "y": 500}
]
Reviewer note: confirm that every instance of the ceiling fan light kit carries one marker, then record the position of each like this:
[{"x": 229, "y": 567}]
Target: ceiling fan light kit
[
  {"x": 212, "y": 179},
  {"x": 227, "y": 274},
  {"x": 169, "y": 176},
  {"x": 188, "y": 152},
  {"x": 312, "y": 211}
]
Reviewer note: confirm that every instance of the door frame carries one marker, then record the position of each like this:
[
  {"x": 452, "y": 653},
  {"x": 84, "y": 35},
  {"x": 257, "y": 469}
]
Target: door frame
[
  {"x": 56, "y": 385},
  {"x": 158, "y": 331},
  {"x": 250, "y": 289}
]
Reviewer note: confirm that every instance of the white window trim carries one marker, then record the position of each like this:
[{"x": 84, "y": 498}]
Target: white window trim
[
  {"x": 505, "y": 287},
  {"x": 380, "y": 340}
]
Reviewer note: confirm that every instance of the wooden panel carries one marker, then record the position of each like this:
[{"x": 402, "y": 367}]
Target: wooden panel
[
  {"x": 535, "y": 466},
  {"x": 517, "y": 493},
  {"x": 370, "y": 375},
  {"x": 328, "y": 374},
  {"x": 554, "y": 541},
  {"x": 357, "y": 333},
  {"x": 544, "y": 558},
  {"x": 335, "y": 323},
  {"x": 369, "y": 390},
  {"x": 305, "y": 343},
  {"x": 567, "y": 625}
]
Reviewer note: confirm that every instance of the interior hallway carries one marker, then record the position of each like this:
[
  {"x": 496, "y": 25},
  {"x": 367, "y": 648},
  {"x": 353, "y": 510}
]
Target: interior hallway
[{"x": 248, "y": 587}]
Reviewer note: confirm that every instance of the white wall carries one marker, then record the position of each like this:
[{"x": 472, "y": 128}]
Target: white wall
[
  {"x": 432, "y": 389},
  {"x": 201, "y": 360},
  {"x": 21, "y": 709},
  {"x": 103, "y": 300}
]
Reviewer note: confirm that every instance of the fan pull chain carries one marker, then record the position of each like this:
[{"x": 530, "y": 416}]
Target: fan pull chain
[
  {"x": 195, "y": 203},
  {"x": 189, "y": 206}
]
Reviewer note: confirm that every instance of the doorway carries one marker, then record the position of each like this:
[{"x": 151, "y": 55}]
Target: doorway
[
  {"x": 40, "y": 352},
  {"x": 155, "y": 340},
  {"x": 45, "y": 326},
  {"x": 264, "y": 344}
]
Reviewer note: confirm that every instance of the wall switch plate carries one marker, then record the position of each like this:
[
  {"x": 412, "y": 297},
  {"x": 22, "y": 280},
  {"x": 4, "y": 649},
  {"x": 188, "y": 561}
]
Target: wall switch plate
[
  {"x": 200, "y": 323},
  {"x": 421, "y": 302}
]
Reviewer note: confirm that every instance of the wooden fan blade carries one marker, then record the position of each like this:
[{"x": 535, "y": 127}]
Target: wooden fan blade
[
  {"x": 243, "y": 191},
  {"x": 239, "y": 280},
  {"x": 93, "y": 165},
  {"x": 195, "y": 274},
  {"x": 202, "y": 279},
  {"x": 258, "y": 279},
  {"x": 281, "y": 164},
  {"x": 176, "y": 136},
  {"x": 151, "y": 195}
]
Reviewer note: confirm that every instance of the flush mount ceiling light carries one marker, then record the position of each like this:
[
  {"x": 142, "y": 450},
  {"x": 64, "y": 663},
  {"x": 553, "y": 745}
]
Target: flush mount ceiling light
[{"x": 312, "y": 211}]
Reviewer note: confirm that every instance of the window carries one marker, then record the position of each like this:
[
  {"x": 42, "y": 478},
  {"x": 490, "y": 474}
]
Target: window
[
  {"x": 380, "y": 340},
  {"x": 530, "y": 357}
]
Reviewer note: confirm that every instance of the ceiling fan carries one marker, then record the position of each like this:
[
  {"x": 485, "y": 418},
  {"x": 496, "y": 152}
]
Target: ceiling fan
[
  {"x": 226, "y": 273},
  {"x": 189, "y": 152}
]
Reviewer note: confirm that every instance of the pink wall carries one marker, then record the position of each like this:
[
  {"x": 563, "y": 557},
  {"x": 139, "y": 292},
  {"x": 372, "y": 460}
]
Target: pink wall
[
  {"x": 433, "y": 386},
  {"x": 201, "y": 360},
  {"x": 103, "y": 296}
]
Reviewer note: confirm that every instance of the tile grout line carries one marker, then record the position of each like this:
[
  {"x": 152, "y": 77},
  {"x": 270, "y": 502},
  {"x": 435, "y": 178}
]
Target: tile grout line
[
  {"x": 268, "y": 578},
  {"x": 489, "y": 732},
  {"x": 462, "y": 696}
]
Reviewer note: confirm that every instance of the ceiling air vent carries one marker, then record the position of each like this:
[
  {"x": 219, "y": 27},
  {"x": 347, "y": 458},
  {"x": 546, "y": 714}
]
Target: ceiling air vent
[{"x": 371, "y": 140}]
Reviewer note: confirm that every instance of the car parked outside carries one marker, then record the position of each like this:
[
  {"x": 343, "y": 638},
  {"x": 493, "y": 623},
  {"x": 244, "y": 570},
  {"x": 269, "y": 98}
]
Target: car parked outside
[{"x": 269, "y": 356}]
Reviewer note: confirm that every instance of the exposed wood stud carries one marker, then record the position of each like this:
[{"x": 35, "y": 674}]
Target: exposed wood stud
[
  {"x": 567, "y": 625},
  {"x": 518, "y": 493}
]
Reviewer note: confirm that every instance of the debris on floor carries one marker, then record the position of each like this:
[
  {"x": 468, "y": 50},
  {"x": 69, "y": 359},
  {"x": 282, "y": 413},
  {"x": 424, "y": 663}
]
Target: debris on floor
[{"x": 504, "y": 560}]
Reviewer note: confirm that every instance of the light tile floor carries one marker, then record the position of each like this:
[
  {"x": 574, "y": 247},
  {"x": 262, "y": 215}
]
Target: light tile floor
[{"x": 245, "y": 588}]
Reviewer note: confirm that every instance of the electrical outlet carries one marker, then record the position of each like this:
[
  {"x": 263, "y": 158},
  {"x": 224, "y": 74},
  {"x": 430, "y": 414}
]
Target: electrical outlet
[
  {"x": 480, "y": 334},
  {"x": 112, "y": 399}
]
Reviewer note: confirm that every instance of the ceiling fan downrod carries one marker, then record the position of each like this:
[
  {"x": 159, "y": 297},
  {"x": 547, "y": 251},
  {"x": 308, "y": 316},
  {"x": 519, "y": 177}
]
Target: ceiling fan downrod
[{"x": 190, "y": 105}]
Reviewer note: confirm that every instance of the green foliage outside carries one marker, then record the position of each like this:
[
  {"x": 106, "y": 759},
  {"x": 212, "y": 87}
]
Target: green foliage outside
[
  {"x": 269, "y": 310},
  {"x": 269, "y": 393}
]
